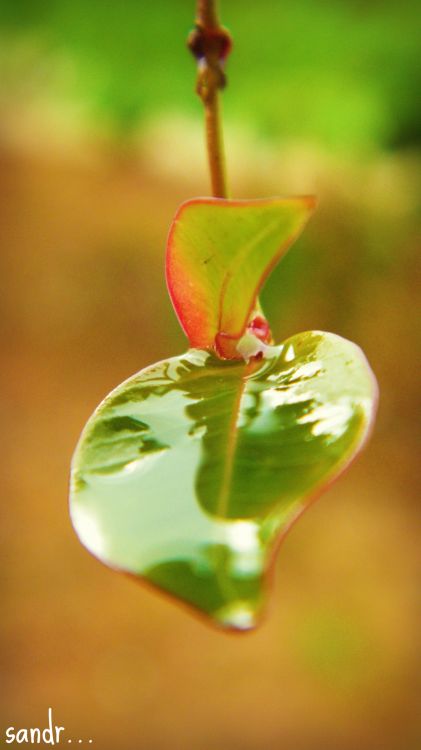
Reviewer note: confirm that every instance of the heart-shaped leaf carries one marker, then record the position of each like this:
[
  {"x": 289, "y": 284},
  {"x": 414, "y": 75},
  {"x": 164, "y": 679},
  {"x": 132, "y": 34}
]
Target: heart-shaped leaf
[
  {"x": 188, "y": 473},
  {"x": 219, "y": 253}
]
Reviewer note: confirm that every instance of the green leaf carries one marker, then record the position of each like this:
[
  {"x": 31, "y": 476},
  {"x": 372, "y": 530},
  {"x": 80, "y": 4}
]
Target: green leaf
[
  {"x": 190, "y": 471},
  {"x": 219, "y": 254}
]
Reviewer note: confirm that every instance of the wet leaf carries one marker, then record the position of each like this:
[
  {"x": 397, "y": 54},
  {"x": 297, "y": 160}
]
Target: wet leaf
[
  {"x": 219, "y": 254},
  {"x": 190, "y": 471}
]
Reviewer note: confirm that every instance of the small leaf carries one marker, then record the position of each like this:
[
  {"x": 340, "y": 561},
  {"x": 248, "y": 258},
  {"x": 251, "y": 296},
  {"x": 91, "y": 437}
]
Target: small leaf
[
  {"x": 190, "y": 471},
  {"x": 219, "y": 254}
]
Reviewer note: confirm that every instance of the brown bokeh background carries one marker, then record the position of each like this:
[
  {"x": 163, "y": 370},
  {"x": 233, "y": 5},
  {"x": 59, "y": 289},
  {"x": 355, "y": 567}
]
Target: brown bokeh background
[{"x": 84, "y": 212}]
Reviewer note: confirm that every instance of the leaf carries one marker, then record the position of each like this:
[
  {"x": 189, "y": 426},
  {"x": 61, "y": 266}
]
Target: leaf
[
  {"x": 189, "y": 472},
  {"x": 219, "y": 254}
]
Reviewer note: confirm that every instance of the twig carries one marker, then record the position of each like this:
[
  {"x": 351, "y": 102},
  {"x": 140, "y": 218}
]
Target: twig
[{"x": 210, "y": 43}]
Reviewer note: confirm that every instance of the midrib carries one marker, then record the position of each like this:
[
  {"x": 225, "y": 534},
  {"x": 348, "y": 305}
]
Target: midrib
[
  {"x": 239, "y": 259},
  {"x": 224, "y": 493}
]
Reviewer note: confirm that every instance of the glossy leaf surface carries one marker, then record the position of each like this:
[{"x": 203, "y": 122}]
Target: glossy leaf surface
[
  {"x": 219, "y": 254},
  {"x": 189, "y": 471}
]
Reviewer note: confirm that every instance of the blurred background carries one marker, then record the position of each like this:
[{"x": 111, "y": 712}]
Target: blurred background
[{"x": 100, "y": 140}]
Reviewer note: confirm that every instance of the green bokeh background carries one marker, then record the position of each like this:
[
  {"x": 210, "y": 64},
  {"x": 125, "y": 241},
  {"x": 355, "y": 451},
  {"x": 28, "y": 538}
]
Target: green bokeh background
[
  {"x": 340, "y": 73},
  {"x": 100, "y": 140}
]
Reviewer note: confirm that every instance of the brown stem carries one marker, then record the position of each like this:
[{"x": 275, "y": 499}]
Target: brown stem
[
  {"x": 215, "y": 146},
  {"x": 207, "y": 13},
  {"x": 210, "y": 43}
]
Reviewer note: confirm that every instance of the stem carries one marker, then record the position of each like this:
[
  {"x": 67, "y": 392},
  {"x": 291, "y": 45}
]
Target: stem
[
  {"x": 207, "y": 14},
  {"x": 210, "y": 43},
  {"x": 215, "y": 147}
]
